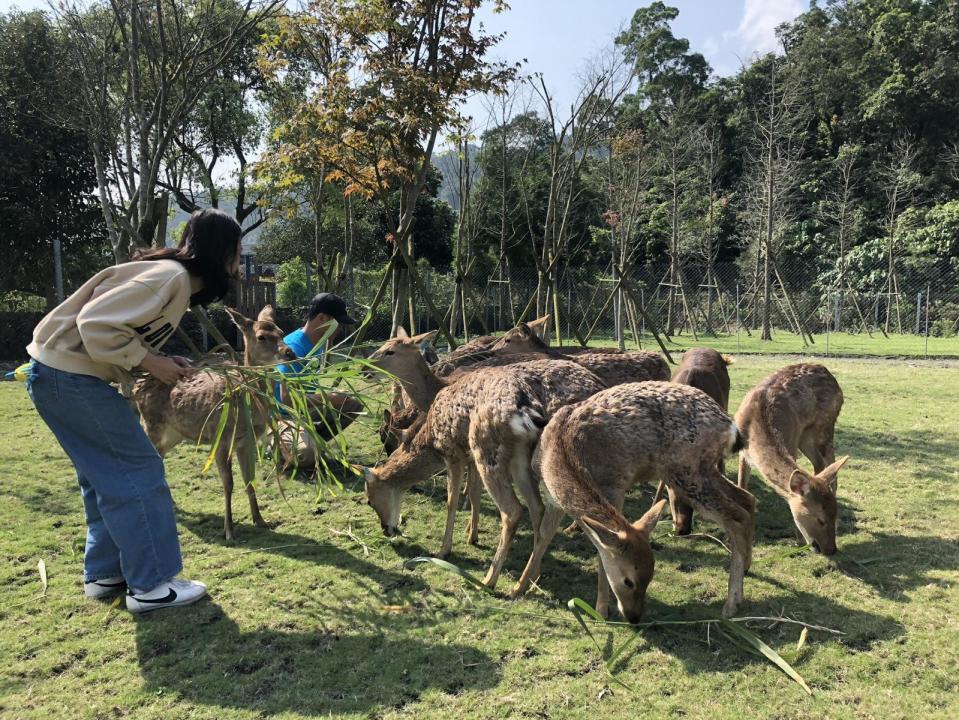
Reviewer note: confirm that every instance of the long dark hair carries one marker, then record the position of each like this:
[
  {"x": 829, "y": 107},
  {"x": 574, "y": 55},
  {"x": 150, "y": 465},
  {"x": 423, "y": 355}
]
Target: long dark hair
[{"x": 210, "y": 241}]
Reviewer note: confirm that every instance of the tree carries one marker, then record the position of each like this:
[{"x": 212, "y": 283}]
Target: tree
[
  {"x": 139, "y": 70},
  {"x": 48, "y": 174},
  {"x": 375, "y": 129}
]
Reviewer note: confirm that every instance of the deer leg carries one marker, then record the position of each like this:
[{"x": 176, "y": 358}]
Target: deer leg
[
  {"x": 474, "y": 490},
  {"x": 225, "y": 465},
  {"x": 497, "y": 483},
  {"x": 454, "y": 470},
  {"x": 552, "y": 517},
  {"x": 246, "y": 456},
  {"x": 602, "y": 588},
  {"x": 681, "y": 511},
  {"x": 743, "y": 478}
]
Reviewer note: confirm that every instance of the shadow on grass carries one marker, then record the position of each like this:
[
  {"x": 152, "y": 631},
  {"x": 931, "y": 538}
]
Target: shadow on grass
[
  {"x": 933, "y": 453},
  {"x": 895, "y": 564},
  {"x": 304, "y": 549},
  {"x": 209, "y": 660}
]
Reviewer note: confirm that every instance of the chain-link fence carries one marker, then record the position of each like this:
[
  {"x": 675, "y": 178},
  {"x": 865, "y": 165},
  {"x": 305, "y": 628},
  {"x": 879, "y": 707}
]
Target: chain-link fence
[{"x": 803, "y": 309}]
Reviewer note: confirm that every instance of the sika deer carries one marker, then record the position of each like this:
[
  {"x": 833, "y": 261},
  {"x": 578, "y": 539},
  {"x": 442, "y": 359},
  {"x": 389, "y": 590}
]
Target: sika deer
[
  {"x": 613, "y": 367},
  {"x": 796, "y": 409},
  {"x": 590, "y": 454},
  {"x": 479, "y": 349},
  {"x": 702, "y": 368},
  {"x": 190, "y": 409},
  {"x": 492, "y": 420}
]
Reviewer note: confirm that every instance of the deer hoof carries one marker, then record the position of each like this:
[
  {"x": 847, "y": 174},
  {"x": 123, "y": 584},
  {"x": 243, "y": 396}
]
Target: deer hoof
[{"x": 730, "y": 608}]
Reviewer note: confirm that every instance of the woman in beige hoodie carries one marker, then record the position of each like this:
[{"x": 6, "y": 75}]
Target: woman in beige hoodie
[{"x": 115, "y": 322}]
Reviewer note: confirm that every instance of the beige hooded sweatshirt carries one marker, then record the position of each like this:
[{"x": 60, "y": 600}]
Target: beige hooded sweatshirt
[{"x": 107, "y": 327}]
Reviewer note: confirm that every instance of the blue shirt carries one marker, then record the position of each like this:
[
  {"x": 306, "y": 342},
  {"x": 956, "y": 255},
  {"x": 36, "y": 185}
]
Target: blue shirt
[{"x": 300, "y": 344}]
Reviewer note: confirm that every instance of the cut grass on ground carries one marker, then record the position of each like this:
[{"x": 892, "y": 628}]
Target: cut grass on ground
[{"x": 319, "y": 617}]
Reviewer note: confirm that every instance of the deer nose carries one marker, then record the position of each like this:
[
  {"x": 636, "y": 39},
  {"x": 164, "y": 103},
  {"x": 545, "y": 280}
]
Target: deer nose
[{"x": 286, "y": 353}]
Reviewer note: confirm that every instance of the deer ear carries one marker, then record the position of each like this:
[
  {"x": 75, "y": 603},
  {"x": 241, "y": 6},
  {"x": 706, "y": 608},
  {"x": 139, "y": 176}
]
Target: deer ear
[
  {"x": 387, "y": 416},
  {"x": 606, "y": 537},
  {"x": 799, "y": 482},
  {"x": 647, "y": 523},
  {"x": 267, "y": 314},
  {"x": 402, "y": 334},
  {"x": 830, "y": 474},
  {"x": 425, "y": 339},
  {"x": 240, "y": 320},
  {"x": 538, "y": 326}
]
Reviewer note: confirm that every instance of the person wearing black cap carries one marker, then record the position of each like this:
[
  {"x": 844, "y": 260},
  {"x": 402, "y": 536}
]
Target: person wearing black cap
[{"x": 305, "y": 342}]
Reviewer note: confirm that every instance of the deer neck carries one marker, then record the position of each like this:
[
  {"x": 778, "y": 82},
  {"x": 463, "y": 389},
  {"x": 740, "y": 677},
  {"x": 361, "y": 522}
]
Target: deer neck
[
  {"x": 422, "y": 386},
  {"x": 411, "y": 464},
  {"x": 767, "y": 453}
]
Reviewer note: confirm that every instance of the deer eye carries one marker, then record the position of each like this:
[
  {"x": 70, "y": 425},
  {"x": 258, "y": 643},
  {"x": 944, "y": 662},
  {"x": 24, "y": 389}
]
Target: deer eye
[
  {"x": 390, "y": 352},
  {"x": 629, "y": 583}
]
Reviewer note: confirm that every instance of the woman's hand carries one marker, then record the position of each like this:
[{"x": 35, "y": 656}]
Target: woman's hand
[
  {"x": 182, "y": 361},
  {"x": 165, "y": 369}
]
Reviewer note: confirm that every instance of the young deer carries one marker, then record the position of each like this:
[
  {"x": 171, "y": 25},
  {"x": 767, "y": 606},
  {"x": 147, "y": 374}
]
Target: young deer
[
  {"x": 479, "y": 349},
  {"x": 491, "y": 420},
  {"x": 590, "y": 454},
  {"x": 612, "y": 367},
  {"x": 796, "y": 409},
  {"x": 702, "y": 368},
  {"x": 402, "y": 357},
  {"x": 190, "y": 409}
]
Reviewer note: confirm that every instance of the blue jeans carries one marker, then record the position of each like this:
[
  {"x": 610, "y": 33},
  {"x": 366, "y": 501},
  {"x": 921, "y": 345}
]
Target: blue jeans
[{"x": 131, "y": 527}]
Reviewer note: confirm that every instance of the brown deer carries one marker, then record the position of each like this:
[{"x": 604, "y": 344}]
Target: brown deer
[
  {"x": 706, "y": 369},
  {"x": 796, "y": 409},
  {"x": 190, "y": 410},
  {"x": 612, "y": 366},
  {"x": 479, "y": 349},
  {"x": 592, "y": 453},
  {"x": 489, "y": 419}
]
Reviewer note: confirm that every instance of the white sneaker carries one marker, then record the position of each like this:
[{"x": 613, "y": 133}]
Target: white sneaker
[
  {"x": 172, "y": 593},
  {"x": 104, "y": 587}
]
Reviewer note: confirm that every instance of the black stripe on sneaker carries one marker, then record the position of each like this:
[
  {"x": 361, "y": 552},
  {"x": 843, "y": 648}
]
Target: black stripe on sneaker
[
  {"x": 102, "y": 584},
  {"x": 170, "y": 597}
]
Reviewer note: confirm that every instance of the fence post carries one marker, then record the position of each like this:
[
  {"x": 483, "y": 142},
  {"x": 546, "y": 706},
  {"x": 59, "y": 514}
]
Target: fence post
[
  {"x": 918, "y": 310},
  {"x": 739, "y": 347},
  {"x": 828, "y": 305},
  {"x": 58, "y": 269},
  {"x": 928, "y": 293}
]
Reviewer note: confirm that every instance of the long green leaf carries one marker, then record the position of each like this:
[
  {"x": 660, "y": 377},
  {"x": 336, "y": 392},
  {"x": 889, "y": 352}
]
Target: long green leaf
[
  {"x": 449, "y": 567},
  {"x": 220, "y": 427},
  {"x": 752, "y": 642}
]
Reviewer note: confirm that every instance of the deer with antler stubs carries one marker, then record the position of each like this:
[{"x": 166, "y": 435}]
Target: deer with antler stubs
[
  {"x": 796, "y": 409},
  {"x": 590, "y": 454},
  {"x": 190, "y": 410}
]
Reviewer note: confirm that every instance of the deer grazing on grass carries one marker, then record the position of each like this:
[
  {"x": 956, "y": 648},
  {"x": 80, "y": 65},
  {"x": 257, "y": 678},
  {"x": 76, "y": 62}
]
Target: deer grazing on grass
[
  {"x": 190, "y": 410},
  {"x": 612, "y": 366},
  {"x": 796, "y": 409},
  {"x": 702, "y": 368},
  {"x": 490, "y": 420},
  {"x": 589, "y": 456}
]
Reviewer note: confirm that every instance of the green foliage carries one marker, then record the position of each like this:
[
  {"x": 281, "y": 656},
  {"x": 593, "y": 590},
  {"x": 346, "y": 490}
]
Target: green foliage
[
  {"x": 48, "y": 180},
  {"x": 291, "y": 287}
]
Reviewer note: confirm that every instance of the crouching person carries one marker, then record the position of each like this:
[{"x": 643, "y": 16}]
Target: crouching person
[{"x": 330, "y": 412}]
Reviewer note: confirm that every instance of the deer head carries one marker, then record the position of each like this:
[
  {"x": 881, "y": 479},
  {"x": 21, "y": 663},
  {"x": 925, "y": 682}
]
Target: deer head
[
  {"x": 262, "y": 338},
  {"x": 521, "y": 339},
  {"x": 627, "y": 558},
  {"x": 402, "y": 356},
  {"x": 812, "y": 500},
  {"x": 385, "y": 499}
]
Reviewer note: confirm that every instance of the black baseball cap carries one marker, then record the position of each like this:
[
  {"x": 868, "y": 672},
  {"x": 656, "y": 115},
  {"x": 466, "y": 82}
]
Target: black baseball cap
[{"x": 332, "y": 305}]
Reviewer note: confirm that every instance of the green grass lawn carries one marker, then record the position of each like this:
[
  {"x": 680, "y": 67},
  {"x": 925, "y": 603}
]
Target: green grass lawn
[
  {"x": 835, "y": 344},
  {"x": 319, "y": 617}
]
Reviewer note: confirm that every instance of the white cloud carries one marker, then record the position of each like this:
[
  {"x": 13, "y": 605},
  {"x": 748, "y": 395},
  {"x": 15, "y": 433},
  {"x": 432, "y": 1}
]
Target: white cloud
[{"x": 757, "y": 29}]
